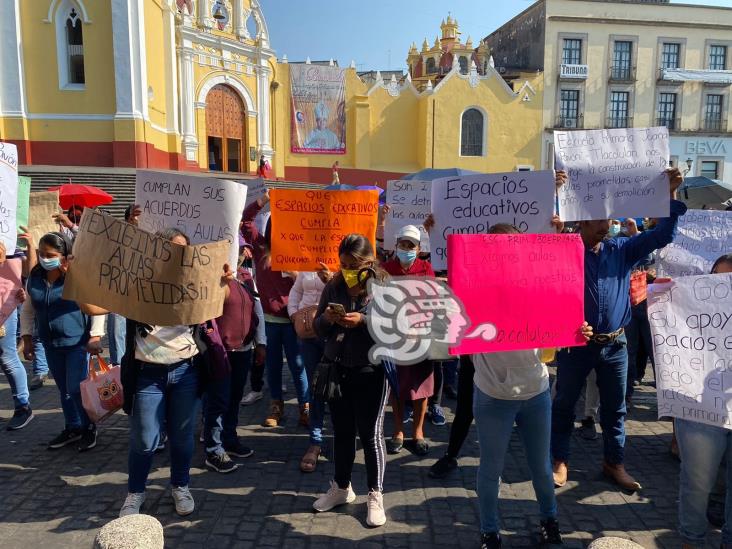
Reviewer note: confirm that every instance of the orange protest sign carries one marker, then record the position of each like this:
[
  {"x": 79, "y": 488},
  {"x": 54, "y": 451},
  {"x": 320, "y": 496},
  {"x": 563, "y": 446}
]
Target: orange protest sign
[{"x": 308, "y": 226}]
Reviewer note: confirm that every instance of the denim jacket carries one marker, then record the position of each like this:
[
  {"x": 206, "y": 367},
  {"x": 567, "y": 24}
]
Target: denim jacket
[{"x": 607, "y": 273}]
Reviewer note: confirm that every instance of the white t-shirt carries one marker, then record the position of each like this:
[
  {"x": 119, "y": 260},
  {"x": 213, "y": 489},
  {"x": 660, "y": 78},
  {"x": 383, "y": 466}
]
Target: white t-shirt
[
  {"x": 516, "y": 375},
  {"x": 166, "y": 345}
]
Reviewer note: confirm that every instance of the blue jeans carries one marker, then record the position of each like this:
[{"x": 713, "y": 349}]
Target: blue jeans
[
  {"x": 702, "y": 449},
  {"x": 166, "y": 397},
  {"x": 610, "y": 363},
  {"x": 69, "y": 367},
  {"x": 11, "y": 365},
  {"x": 494, "y": 419},
  {"x": 221, "y": 405},
  {"x": 281, "y": 336},
  {"x": 312, "y": 352},
  {"x": 638, "y": 332},
  {"x": 40, "y": 364},
  {"x": 116, "y": 331}
]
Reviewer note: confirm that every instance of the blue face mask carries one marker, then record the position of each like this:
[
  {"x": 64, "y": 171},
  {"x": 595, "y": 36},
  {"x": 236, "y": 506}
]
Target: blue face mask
[
  {"x": 614, "y": 230},
  {"x": 406, "y": 257},
  {"x": 50, "y": 264}
]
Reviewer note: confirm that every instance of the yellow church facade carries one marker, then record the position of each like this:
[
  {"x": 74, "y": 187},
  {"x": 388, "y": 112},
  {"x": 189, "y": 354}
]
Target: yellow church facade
[{"x": 196, "y": 85}]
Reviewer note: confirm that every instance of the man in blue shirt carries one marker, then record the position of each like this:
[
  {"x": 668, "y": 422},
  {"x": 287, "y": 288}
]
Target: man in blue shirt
[{"x": 608, "y": 264}]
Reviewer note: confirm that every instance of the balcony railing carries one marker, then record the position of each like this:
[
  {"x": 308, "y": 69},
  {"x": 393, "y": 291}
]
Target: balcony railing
[
  {"x": 670, "y": 123},
  {"x": 715, "y": 124},
  {"x": 570, "y": 122},
  {"x": 622, "y": 73},
  {"x": 619, "y": 122}
]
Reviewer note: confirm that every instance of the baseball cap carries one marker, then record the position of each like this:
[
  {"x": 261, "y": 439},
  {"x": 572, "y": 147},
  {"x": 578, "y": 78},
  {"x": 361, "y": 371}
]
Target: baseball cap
[{"x": 409, "y": 232}]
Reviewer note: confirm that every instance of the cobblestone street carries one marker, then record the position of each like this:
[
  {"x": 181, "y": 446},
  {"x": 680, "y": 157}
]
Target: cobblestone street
[{"x": 58, "y": 499}]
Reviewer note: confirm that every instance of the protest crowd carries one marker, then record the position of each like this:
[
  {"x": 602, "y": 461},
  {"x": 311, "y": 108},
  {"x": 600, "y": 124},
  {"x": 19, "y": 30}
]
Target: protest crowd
[{"x": 199, "y": 326}]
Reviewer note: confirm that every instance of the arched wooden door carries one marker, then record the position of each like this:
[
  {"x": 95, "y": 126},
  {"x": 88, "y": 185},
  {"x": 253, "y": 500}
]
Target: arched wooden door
[{"x": 225, "y": 130}]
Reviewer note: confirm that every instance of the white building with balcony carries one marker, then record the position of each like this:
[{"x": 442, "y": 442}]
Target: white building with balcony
[{"x": 630, "y": 63}]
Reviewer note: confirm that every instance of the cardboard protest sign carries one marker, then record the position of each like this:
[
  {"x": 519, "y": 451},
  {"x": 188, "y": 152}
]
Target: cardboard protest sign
[
  {"x": 691, "y": 324},
  {"x": 410, "y": 203},
  {"x": 472, "y": 204},
  {"x": 703, "y": 236},
  {"x": 308, "y": 226},
  {"x": 520, "y": 291},
  {"x": 8, "y": 195},
  {"x": 9, "y": 285},
  {"x": 613, "y": 173},
  {"x": 135, "y": 274},
  {"x": 42, "y": 206},
  {"x": 206, "y": 209},
  {"x": 21, "y": 218}
]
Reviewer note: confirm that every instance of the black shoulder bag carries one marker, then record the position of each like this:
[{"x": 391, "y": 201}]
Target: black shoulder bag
[{"x": 327, "y": 377}]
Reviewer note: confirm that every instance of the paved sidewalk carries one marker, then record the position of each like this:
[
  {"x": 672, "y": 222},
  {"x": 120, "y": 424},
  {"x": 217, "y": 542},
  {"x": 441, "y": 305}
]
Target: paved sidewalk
[{"x": 58, "y": 499}]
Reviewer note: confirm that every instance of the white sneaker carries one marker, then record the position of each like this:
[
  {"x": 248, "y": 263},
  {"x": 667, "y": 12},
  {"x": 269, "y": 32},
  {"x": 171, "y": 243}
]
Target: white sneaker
[
  {"x": 251, "y": 397},
  {"x": 183, "y": 500},
  {"x": 334, "y": 497},
  {"x": 375, "y": 509},
  {"x": 132, "y": 504}
]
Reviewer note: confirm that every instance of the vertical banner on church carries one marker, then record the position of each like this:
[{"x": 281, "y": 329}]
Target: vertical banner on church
[{"x": 318, "y": 109}]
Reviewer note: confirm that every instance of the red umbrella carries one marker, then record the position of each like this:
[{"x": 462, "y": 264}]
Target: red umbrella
[{"x": 88, "y": 196}]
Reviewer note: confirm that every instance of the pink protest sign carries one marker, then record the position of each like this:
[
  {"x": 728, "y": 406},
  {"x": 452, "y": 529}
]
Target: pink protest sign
[
  {"x": 9, "y": 285},
  {"x": 521, "y": 291}
]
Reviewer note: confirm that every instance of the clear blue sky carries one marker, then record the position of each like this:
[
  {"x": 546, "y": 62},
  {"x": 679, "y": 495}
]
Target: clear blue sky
[{"x": 377, "y": 33}]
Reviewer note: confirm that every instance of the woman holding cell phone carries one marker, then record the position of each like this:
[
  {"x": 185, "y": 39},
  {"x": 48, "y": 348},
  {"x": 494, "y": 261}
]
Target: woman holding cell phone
[{"x": 359, "y": 408}]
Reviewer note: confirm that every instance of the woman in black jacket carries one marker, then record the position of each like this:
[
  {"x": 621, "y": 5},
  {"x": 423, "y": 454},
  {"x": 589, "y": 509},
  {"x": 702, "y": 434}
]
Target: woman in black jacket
[{"x": 363, "y": 385}]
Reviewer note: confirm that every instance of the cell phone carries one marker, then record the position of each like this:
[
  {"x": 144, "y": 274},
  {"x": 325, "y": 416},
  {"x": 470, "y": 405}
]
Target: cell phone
[{"x": 337, "y": 308}]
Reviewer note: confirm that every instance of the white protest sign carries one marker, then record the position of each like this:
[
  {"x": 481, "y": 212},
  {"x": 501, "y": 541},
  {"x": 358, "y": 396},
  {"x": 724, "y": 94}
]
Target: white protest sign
[
  {"x": 613, "y": 173},
  {"x": 8, "y": 195},
  {"x": 703, "y": 236},
  {"x": 410, "y": 202},
  {"x": 691, "y": 323},
  {"x": 472, "y": 204},
  {"x": 257, "y": 188},
  {"x": 204, "y": 208}
]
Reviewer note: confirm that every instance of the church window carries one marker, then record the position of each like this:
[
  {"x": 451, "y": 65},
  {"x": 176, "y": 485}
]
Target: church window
[
  {"x": 431, "y": 66},
  {"x": 74, "y": 48},
  {"x": 472, "y": 134},
  {"x": 463, "y": 64},
  {"x": 69, "y": 17}
]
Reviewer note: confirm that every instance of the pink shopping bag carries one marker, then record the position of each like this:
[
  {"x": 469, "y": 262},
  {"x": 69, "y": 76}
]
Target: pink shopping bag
[{"x": 101, "y": 391}]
